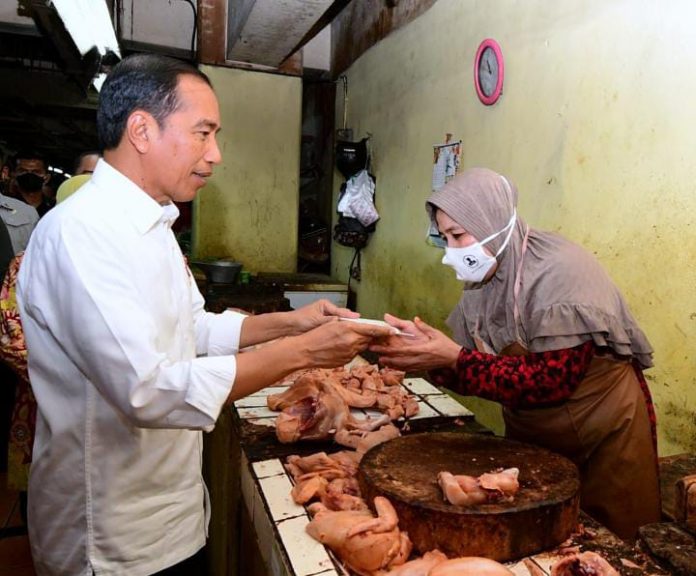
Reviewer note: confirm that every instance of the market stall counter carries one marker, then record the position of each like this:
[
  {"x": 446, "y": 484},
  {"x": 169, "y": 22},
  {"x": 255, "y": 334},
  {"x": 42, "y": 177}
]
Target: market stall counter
[{"x": 257, "y": 529}]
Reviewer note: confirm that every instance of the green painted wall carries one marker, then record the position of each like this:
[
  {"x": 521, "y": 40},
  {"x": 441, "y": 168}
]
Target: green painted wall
[
  {"x": 249, "y": 208},
  {"x": 595, "y": 126}
]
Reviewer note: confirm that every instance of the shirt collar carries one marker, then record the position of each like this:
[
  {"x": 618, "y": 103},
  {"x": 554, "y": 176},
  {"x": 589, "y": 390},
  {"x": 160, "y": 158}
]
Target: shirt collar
[{"x": 143, "y": 210}]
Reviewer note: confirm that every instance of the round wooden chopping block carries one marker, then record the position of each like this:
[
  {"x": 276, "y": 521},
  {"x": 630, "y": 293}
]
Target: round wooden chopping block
[{"x": 542, "y": 515}]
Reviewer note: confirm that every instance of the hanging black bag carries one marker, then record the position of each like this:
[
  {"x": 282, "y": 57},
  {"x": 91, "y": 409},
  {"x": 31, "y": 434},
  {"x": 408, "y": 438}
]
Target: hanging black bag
[
  {"x": 352, "y": 233},
  {"x": 351, "y": 157}
]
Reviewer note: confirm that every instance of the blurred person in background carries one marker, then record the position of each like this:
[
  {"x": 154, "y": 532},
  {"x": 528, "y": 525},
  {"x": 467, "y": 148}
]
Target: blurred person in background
[
  {"x": 28, "y": 180},
  {"x": 86, "y": 162},
  {"x": 19, "y": 217}
]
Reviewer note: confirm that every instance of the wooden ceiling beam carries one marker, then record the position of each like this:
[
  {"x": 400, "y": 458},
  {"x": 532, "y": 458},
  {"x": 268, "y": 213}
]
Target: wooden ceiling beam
[
  {"x": 336, "y": 7},
  {"x": 363, "y": 23},
  {"x": 212, "y": 31}
]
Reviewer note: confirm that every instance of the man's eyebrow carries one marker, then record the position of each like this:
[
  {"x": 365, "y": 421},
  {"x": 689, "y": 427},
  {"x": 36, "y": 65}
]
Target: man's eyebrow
[{"x": 207, "y": 124}]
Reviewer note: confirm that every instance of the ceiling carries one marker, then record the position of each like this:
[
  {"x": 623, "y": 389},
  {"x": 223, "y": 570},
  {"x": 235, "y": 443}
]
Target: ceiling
[{"x": 46, "y": 102}]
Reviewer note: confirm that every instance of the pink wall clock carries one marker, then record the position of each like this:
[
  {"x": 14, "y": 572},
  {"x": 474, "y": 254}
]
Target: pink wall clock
[{"x": 489, "y": 71}]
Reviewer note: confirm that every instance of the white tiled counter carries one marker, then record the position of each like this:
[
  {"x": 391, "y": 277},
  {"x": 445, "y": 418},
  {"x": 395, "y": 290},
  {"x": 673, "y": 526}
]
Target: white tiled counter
[
  {"x": 287, "y": 549},
  {"x": 266, "y": 529},
  {"x": 432, "y": 403}
]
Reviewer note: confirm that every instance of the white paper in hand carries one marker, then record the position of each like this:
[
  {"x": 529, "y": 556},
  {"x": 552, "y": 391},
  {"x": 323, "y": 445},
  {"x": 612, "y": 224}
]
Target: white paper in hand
[{"x": 378, "y": 323}]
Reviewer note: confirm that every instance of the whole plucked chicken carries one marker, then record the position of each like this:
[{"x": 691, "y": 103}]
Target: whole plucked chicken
[{"x": 366, "y": 544}]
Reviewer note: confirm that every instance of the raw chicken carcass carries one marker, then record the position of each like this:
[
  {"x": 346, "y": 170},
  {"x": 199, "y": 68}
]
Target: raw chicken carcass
[
  {"x": 583, "y": 564},
  {"x": 337, "y": 494},
  {"x": 343, "y": 494},
  {"x": 345, "y": 461},
  {"x": 307, "y": 385},
  {"x": 420, "y": 566},
  {"x": 329, "y": 478},
  {"x": 462, "y": 490},
  {"x": 364, "y": 543},
  {"x": 320, "y": 417},
  {"x": 360, "y": 387},
  {"x": 362, "y": 441},
  {"x": 305, "y": 490},
  {"x": 469, "y": 566}
]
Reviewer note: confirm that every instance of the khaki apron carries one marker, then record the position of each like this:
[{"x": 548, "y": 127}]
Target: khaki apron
[{"x": 604, "y": 428}]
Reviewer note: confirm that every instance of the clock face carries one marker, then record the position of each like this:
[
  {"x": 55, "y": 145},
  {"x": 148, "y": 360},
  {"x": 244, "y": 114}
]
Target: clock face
[{"x": 488, "y": 72}]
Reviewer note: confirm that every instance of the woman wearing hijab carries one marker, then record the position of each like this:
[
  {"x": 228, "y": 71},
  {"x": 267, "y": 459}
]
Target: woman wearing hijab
[{"x": 541, "y": 329}]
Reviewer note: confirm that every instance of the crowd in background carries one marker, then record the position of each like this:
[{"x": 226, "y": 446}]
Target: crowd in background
[{"x": 28, "y": 190}]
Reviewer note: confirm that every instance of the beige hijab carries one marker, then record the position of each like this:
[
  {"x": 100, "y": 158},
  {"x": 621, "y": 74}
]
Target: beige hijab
[{"x": 565, "y": 298}]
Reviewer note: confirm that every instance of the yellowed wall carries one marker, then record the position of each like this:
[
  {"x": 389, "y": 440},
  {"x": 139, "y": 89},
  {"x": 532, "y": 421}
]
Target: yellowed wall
[
  {"x": 596, "y": 127},
  {"x": 249, "y": 208}
]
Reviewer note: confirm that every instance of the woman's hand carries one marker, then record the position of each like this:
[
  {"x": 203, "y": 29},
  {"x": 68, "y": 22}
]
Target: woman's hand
[
  {"x": 316, "y": 314},
  {"x": 426, "y": 349}
]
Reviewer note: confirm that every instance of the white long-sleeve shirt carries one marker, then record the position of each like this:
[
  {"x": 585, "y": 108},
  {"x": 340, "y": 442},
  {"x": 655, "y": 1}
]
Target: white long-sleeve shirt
[{"x": 127, "y": 368}]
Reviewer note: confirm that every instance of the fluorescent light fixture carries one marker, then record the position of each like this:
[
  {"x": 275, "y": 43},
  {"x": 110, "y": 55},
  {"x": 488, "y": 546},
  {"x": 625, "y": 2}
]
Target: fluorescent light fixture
[{"x": 89, "y": 25}]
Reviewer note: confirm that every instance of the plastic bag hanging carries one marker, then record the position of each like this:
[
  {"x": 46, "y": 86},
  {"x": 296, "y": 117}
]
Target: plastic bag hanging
[{"x": 358, "y": 199}]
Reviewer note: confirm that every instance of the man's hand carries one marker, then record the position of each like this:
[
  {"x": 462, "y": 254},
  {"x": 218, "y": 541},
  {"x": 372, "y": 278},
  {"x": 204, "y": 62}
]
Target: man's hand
[
  {"x": 330, "y": 345},
  {"x": 427, "y": 349},
  {"x": 336, "y": 343},
  {"x": 316, "y": 314}
]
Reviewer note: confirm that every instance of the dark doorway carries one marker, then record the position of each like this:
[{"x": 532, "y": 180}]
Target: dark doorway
[{"x": 316, "y": 177}]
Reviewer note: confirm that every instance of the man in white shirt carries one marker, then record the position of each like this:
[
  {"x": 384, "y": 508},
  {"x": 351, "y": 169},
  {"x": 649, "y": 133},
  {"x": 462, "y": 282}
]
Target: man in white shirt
[{"x": 126, "y": 365}]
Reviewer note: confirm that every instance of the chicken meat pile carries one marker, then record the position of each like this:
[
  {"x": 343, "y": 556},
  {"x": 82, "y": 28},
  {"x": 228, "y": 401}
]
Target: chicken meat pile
[
  {"x": 330, "y": 480},
  {"x": 317, "y": 404},
  {"x": 365, "y": 544}
]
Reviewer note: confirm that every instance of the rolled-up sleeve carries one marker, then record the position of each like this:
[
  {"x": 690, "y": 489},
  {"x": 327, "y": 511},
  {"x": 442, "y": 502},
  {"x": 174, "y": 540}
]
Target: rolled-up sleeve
[
  {"x": 216, "y": 334},
  {"x": 208, "y": 389}
]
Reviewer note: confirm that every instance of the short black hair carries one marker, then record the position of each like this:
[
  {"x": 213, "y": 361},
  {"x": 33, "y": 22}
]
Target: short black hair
[
  {"x": 145, "y": 82},
  {"x": 79, "y": 159},
  {"x": 28, "y": 154}
]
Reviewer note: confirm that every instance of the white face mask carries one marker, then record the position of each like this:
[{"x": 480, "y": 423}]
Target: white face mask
[{"x": 471, "y": 263}]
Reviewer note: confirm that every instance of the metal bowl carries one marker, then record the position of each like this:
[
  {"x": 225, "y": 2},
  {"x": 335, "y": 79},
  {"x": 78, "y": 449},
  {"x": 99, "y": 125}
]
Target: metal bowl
[{"x": 219, "y": 271}]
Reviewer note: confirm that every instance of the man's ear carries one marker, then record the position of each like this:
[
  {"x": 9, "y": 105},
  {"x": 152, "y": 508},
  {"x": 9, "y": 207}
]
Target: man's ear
[{"x": 139, "y": 129}]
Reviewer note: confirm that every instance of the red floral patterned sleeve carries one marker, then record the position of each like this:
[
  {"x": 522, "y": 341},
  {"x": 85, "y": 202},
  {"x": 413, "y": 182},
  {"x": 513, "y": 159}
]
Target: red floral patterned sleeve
[{"x": 534, "y": 380}]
